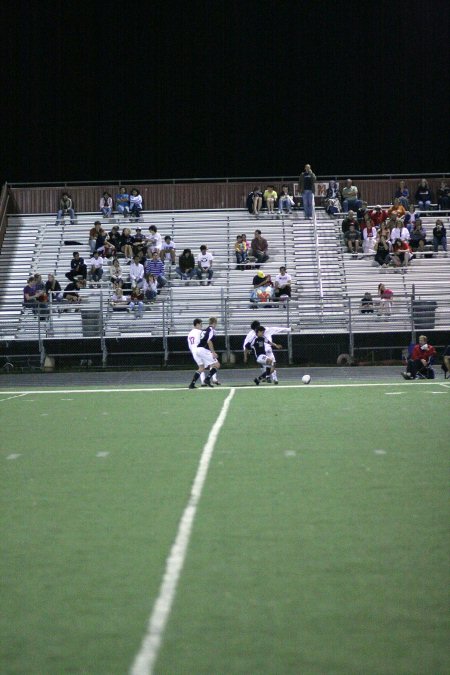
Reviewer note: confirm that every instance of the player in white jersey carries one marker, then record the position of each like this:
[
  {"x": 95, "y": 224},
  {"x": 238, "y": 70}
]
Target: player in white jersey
[
  {"x": 193, "y": 340},
  {"x": 268, "y": 333}
]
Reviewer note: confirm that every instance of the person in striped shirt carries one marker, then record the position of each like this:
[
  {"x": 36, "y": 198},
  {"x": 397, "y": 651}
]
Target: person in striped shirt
[{"x": 155, "y": 266}]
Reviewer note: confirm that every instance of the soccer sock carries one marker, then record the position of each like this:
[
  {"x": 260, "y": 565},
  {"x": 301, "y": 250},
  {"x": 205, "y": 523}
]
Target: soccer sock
[
  {"x": 268, "y": 369},
  {"x": 274, "y": 376},
  {"x": 202, "y": 376},
  {"x": 196, "y": 376},
  {"x": 212, "y": 372}
]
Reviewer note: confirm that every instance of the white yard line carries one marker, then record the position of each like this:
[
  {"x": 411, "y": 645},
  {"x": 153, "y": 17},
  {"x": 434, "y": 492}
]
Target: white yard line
[
  {"x": 10, "y": 397},
  {"x": 148, "y": 653}
]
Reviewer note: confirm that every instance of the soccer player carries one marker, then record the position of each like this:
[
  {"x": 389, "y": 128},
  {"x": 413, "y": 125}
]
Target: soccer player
[
  {"x": 193, "y": 339},
  {"x": 258, "y": 346},
  {"x": 206, "y": 354},
  {"x": 269, "y": 332}
]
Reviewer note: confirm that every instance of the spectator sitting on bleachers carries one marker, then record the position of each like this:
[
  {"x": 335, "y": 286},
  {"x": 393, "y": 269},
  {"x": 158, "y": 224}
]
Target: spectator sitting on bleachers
[
  {"x": 270, "y": 197},
  {"x": 126, "y": 244},
  {"x": 401, "y": 253},
  {"x": 186, "y": 265},
  {"x": 106, "y": 205},
  {"x": 399, "y": 208},
  {"x": 154, "y": 239},
  {"x": 135, "y": 204},
  {"x": 29, "y": 295},
  {"x": 333, "y": 199},
  {"x": 418, "y": 236},
  {"x": 285, "y": 200},
  {"x": 71, "y": 293},
  {"x": 123, "y": 202},
  {"x": 155, "y": 266},
  {"x": 262, "y": 287},
  {"x": 378, "y": 215},
  {"x": 369, "y": 235},
  {"x": 393, "y": 221},
  {"x": 93, "y": 234},
  {"x": 116, "y": 274},
  {"x": 96, "y": 267},
  {"x": 136, "y": 273},
  {"x": 77, "y": 267},
  {"x": 139, "y": 241},
  {"x": 366, "y": 303},
  {"x": 259, "y": 248},
  {"x": 350, "y": 219},
  {"x": 118, "y": 299},
  {"x": 53, "y": 289},
  {"x": 350, "y": 196},
  {"x": 423, "y": 196},
  {"x": 361, "y": 213},
  {"x": 103, "y": 245},
  {"x": 382, "y": 250},
  {"x": 65, "y": 207},
  {"x": 205, "y": 264},
  {"x": 399, "y": 231},
  {"x": 443, "y": 196},
  {"x": 353, "y": 239},
  {"x": 254, "y": 201},
  {"x": 114, "y": 238},
  {"x": 168, "y": 250},
  {"x": 420, "y": 361},
  {"x": 439, "y": 236},
  {"x": 402, "y": 194},
  {"x": 385, "y": 296},
  {"x": 150, "y": 287},
  {"x": 240, "y": 251},
  {"x": 282, "y": 284},
  {"x": 136, "y": 302}
]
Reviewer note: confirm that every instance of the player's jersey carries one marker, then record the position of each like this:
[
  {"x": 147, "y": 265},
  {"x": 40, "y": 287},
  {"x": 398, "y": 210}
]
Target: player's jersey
[
  {"x": 194, "y": 338},
  {"x": 258, "y": 345},
  {"x": 206, "y": 336}
]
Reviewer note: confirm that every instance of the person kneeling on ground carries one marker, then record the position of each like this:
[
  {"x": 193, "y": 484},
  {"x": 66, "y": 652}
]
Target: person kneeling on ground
[{"x": 419, "y": 363}]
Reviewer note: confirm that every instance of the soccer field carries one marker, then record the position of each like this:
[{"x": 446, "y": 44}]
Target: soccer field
[{"x": 318, "y": 537}]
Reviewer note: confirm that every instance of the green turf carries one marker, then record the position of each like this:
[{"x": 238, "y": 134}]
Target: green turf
[{"x": 311, "y": 552}]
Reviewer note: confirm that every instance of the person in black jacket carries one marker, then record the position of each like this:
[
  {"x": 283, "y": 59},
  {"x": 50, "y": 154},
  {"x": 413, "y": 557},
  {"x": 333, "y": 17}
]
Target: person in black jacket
[
  {"x": 186, "y": 265},
  {"x": 77, "y": 267}
]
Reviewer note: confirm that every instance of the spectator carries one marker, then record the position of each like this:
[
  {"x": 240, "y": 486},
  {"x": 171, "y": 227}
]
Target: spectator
[
  {"x": 398, "y": 207},
  {"x": 401, "y": 253},
  {"x": 270, "y": 197},
  {"x": 382, "y": 250},
  {"x": 53, "y": 289},
  {"x": 254, "y": 201},
  {"x": 136, "y": 273},
  {"x": 77, "y": 267},
  {"x": 367, "y": 303},
  {"x": 123, "y": 202},
  {"x": 439, "y": 236},
  {"x": 205, "y": 264},
  {"x": 135, "y": 204},
  {"x": 259, "y": 248},
  {"x": 333, "y": 199},
  {"x": 418, "y": 236},
  {"x": 282, "y": 284},
  {"x": 402, "y": 194},
  {"x": 350, "y": 219},
  {"x": 420, "y": 362},
  {"x": 350, "y": 196},
  {"x": 307, "y": 182},
  {"x": 378, "y": 215},
  {"x": 116, "y": 274},
  {"x": 139, "y": 242},
  {"x": 353, "y": 239},
  {"x": 240, "y": 250},
  {"x": 385, "y": 296},
  {"x": 118, "y": 300},
  {"x": 126, "y": 244},
  {"x": 71, "y": 291},
  {"x": 137, "y": 302},
  {"x": 399, "y": 231},
  {"x": 423, "y": 196},
  {"x": 285, "y": 200},
  {"x": 186, "y": 265},
  {"x": 29, "y": 295},
  {"x": 106, "y": 205},
  {"x": 103, "y": 245},
  {"x": 369, "y": 235},
  {"x": 150, "y": 287},
  {"x": 262, "y": 288},
  {"x": 361, "y": 213},
  {"x": 93, "y": 234},
  {"x": 114, "y": 238},
  {"x": 154, "y": 239},
  {"x": 65, "y": 207},
  {"x": 155, "y": 266},
  {"x": 96, "y": 267},
  {"x": 168, "y": 250},
  {"x": 443, "y": 196}
]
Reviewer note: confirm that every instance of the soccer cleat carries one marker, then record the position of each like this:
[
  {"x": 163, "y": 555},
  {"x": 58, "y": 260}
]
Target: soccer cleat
[
  {"x": 256, "y": 381},
  {"x": 406, "y": 376},
  {"x": 208, "y": 384},
  {"x": 217, "y": 383},
  {"x": 192, "y": 386},
  {"x": 275, "y": 381}
]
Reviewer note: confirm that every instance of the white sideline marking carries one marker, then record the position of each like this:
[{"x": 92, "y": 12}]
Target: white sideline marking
[
  {"x": 380, "y": 452},
  {"x": 102, "y": 454},
  {"x": 13, "y": 456},
  {"x": 435, "y": 392},
  {"x": 290, "y": 453},
  {"x": 447, "y": 386},
  {"x": 393, "y": 393},
  {"x": 10, "y": 397},
  {"x": 148, "y": 653}
]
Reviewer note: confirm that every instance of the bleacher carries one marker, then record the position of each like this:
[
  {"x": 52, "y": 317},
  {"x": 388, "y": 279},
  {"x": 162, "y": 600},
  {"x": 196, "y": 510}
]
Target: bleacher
[{"x": 325, "y": 278}]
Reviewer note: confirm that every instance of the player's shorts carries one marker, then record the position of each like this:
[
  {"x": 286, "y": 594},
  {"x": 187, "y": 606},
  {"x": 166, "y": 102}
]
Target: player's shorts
[
  {"x": 262, "y": 359},
  {"x": 270, "y": 354},
  {"x": 205, "y": 356},
  {"x": 196, "y": 357}
]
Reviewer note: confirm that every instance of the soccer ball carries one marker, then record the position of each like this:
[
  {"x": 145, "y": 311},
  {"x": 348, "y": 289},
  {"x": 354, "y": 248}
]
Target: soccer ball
[{"x": 306, "y": 379}]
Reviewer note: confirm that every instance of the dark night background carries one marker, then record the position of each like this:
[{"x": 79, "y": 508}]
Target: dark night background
[{"x": 95, "y": 91}]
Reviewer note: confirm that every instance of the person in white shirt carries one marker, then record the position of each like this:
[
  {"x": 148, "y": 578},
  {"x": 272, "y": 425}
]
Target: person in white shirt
[
  {"x": 399, "y": 232},
  {"x": 154, "y": 239},
  {"x": 135, "y": 204},
  {"x": 168, "y": 250},
  {"x": 204, "y": 264},
  {"x": 96, "y": 265},
  {"x": 136, "y": 273},
  {"x": 283, "y": 283},
  {"x": 193, "y": 339},
  {"x": 268, "y": 333}
]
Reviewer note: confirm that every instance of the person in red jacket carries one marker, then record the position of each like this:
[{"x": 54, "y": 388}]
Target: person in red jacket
[{"x": 419, "y": 363}]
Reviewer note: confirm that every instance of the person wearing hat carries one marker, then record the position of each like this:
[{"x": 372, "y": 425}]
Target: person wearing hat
[{"x": 262, "y": 287}]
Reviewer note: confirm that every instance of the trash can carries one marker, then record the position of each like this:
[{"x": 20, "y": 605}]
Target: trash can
[
  {"x": 91, "y": 322},
  {"x": 424, "y": 314}
]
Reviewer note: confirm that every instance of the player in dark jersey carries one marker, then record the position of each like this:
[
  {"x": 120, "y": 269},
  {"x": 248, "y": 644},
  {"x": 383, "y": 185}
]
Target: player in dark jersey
[
  {"x": 258, "y": 346},
  {"x": 206, "y": 353}
]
